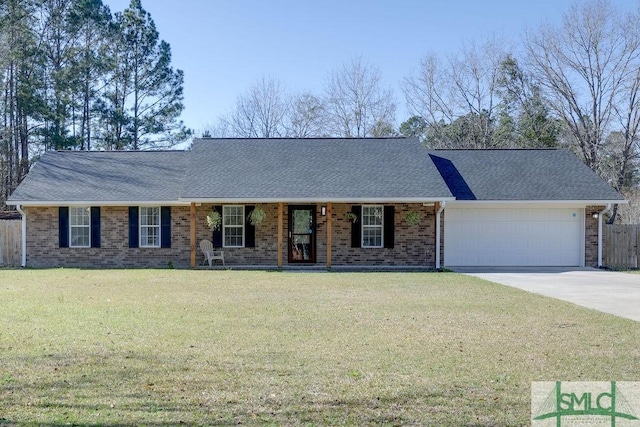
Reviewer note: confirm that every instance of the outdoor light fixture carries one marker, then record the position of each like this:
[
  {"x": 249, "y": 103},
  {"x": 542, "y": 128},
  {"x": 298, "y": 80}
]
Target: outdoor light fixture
[
  {"x": 323, "y": 210},
  {"x": 595, "y": 215}
]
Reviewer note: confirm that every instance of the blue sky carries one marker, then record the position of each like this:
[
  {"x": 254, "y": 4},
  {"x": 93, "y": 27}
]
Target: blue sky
[{"x": 224, "y": 47}]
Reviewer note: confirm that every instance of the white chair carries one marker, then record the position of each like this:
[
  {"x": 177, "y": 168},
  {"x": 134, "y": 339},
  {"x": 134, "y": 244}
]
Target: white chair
[{"x": 209, "y": 254}]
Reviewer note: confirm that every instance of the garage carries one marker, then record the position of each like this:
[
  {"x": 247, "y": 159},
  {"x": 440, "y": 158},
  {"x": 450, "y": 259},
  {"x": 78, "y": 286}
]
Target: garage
[{"x": 507, "y": 235}]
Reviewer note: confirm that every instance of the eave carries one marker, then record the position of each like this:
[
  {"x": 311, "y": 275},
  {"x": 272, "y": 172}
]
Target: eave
[
  {"x": 97, "y": 203},
  {"x": 589, "y": 202},
  {"x": 311, "y": 200}
]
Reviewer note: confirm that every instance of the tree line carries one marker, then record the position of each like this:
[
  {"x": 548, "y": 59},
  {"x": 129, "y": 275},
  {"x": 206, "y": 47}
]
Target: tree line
[
  {"x": 73, "y": 75},
  {"x": 356, "y": 103},
  {"x": 573, "y": 85}
]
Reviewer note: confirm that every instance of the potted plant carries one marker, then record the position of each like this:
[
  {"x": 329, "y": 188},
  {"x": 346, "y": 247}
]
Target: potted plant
[
  {"x": 213, "y": 220},
  {"x": 413, "y": 218},
  {"x": 257, "y": 215},
  {"x": 351, "y": 217}
]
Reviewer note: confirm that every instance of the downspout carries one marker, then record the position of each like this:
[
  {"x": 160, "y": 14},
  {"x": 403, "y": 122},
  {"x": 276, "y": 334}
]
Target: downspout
[
  {"x": 442, "y": 205},
  {"x": 600, "y": 214},
  {"x": 24, "y": 235}
]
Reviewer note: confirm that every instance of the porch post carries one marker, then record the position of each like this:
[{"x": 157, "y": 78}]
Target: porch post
[
  {"x": 280, "y": 231},
  {"x": 329, "y": 233},
  {"x": 192, "y": 229}
]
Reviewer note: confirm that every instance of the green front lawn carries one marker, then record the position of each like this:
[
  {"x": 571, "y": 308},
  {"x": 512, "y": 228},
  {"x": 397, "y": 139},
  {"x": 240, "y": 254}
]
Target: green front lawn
[{"x": 164, "y": 347}]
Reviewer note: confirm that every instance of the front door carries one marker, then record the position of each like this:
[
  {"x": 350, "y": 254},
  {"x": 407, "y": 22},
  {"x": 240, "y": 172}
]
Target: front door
[{"x": 302, "y": 234}]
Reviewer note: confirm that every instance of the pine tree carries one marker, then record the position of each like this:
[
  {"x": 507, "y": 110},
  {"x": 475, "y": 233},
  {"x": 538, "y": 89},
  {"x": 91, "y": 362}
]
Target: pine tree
[
  {"x": 22, "y": 76},
  {"x": 90, "y": 20},
  {"x": 144, "y": 96}
]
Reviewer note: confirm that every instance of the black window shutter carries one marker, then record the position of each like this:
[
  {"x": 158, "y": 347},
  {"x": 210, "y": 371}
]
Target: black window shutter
[
  {"x": 389, "y": 226},
  {"x": 63, "y": 227},
  {"x": 249, "y": 230},
  {"x": 133, "y": 227},
  {"x": 165, "y": 226},
  {"x": 356, "y": 229},
  {"x": 95, "y": 226},
  {"x": 217, "y": 234}
]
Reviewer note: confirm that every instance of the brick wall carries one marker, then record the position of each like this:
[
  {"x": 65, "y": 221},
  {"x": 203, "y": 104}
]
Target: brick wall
[
  {"x": 114, "y": 251},
  {"x": 591, "y": 236},
  {"x": 414, "y": 246},
  {"x": 265, "y": 253}
]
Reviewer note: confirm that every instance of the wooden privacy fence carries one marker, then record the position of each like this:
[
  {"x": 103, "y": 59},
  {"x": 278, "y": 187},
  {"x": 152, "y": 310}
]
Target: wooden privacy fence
[
  {"x": 10, "y": 243},
  {"x": 621, "y": 246}
]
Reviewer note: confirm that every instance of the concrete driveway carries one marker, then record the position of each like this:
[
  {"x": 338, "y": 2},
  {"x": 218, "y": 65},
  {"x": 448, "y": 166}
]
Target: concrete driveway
[{"x": 607, "y": 291}]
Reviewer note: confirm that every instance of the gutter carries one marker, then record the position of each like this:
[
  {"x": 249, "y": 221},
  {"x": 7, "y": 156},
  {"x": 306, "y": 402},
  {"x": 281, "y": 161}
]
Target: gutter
[
  {"x": 600, "y": 214},
  {"x": 312, "y": 200},
  {"x": 442, "y": 206},
  {"x": 24, "y": 235}
]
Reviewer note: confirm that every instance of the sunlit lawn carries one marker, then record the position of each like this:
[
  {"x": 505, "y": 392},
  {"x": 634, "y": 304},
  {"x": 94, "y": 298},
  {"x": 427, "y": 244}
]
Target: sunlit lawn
[{"x": 164, "y": 347}]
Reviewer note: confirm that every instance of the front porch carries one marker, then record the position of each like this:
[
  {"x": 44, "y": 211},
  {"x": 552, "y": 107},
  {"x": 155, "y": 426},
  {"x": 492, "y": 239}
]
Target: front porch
[{"x": 329, "y": 240}]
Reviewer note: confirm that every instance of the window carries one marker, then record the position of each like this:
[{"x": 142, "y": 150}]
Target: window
[
  {"x": 150, "y": 227},
  {"x": 233, "y": 226},
  {"x": 372, "y": 222},
  {"x": 80, "y": 227}
]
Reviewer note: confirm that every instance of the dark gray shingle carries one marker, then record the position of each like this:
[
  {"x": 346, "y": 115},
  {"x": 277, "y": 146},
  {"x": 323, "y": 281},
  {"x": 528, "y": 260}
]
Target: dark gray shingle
[
  {"x": 96, "y": 176},
  {"x": 520, "y": 175},
  {"x": 319, "y": 168},
  {"x": 390, "y": 169}
]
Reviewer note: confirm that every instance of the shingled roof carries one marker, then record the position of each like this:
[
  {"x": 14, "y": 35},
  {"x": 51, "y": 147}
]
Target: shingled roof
[
  {"x": 315, "y": 169},
  {"x": 103, "y": 177},
  {"x": 520, "y": 175},
  {"x": 389, "y": 170}
]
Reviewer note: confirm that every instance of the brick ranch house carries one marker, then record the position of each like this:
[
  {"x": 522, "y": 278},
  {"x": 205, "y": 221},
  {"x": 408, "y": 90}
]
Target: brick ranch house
[{"x": 328, "y": 202}]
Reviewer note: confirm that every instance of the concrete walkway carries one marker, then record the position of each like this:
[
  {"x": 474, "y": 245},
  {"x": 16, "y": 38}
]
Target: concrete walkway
[{"x": 608, "y": 291}]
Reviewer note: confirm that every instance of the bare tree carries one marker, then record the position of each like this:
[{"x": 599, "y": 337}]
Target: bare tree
[
  {"x": 260, "y": 112},
  {"x": 357, "y": 102},
  {"x": 630, "y": 213},
  {"x": 266, "y": 110},
  {"x": 458, "y": 99},
  {"x": 306, "y": 117},
  {"x": 589, "y": 69}
]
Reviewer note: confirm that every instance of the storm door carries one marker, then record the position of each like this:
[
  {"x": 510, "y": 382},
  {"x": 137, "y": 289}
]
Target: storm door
[{"x": 302, "y": 234}]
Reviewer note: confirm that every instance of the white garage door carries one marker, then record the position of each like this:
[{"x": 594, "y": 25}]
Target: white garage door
[{"x": 510, "y": 236}]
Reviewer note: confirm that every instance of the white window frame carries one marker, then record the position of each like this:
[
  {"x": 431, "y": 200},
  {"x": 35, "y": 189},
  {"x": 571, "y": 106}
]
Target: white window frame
[
  {"x": 144, "y": 244},
  {"x": 363, "y": 226},
  {"x": 224, "y": 226},
  {"x": 73, "y": 226}
]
